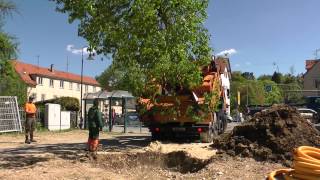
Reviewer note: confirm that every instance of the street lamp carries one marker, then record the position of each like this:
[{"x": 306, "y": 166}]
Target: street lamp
[{"x": 90, "y": 58}]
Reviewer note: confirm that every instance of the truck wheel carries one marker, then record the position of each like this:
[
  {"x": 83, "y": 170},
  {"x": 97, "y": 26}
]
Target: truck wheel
[
  {"x": 155, "y": 136},
  {"x": 206, "y": 137},
  {"x": 215, "y": 125}
]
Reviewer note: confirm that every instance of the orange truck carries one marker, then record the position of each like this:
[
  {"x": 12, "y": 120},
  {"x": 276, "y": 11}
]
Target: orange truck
[{"x": 199, "y": 113}]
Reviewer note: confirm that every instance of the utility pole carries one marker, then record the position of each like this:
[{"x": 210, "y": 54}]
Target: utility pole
[
  {"x": 67, "y": 63},
  {"x": 316, "y": 53},
  {"x": 276, "y": 66},
  {"x": 247, "y": 95}
]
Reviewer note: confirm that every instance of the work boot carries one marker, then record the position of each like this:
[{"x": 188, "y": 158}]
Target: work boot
[
  {"x": 27, "y": 141},
  {"x": 31, "y": 138}
]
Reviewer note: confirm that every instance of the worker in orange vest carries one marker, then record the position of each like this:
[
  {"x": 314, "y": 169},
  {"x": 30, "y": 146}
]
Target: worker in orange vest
[{"x": 30, "y": 123}]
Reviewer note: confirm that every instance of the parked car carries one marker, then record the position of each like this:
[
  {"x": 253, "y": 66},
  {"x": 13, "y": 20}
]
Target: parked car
[
  {"x": 131, "y": 117},
  {"x": 309, "y": 114}
]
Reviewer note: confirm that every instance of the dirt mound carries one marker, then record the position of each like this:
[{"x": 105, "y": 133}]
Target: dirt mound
[{"x": 270, "y": 135}]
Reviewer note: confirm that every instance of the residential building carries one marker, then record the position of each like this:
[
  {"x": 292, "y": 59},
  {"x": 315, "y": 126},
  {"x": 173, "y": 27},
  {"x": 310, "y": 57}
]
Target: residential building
[
  {"x": 311, "y": 79},
  {"x": 48, "y": 83},
  {"x": 223, "y": 63}
]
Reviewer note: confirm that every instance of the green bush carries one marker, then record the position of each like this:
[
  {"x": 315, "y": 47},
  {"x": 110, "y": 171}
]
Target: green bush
[{"x": 67, "y": 103}]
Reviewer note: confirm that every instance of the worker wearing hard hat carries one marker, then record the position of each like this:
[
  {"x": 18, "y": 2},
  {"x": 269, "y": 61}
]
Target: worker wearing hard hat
[
  {"x": 95, "y": 125},
  {"x": 30, "y": 123}
]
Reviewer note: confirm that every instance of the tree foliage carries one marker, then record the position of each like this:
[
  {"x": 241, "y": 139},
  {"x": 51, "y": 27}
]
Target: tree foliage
[
  {"x": 253, "y": 91},
  {"x": 10, "y": 83},
  {"x": 276, "y": 77},
  {"x": 152, "y": 42}
]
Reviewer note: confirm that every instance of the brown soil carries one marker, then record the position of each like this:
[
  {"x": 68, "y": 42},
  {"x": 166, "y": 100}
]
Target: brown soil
[{"x": 270, "y": 135}]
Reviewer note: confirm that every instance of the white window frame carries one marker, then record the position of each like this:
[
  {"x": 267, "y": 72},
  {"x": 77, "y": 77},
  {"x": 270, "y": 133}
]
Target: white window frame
[
  {"x": 40, "y": 81},
  {"x": 61, "y": 84},
  {"x": 94, "y": 89},
  {"x": 34, "y": 95},
  {"x": 70, "y": 85},
  {"x": 78, "y": 87},
  {"x": 43, "y": 97},
  {"x": 51, "y": 84}
]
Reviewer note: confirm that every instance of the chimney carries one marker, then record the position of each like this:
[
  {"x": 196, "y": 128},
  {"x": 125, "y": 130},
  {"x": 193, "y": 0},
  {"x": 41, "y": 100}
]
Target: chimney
[
  {"x": 310, "y": 64},
  {"x": 51, "y": 68}
]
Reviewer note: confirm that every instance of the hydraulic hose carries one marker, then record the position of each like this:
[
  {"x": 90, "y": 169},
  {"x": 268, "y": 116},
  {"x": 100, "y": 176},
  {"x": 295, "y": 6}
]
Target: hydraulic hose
[{"x": 306, "y": 165}]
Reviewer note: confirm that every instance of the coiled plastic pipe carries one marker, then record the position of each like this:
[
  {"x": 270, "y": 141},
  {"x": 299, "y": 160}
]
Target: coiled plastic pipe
[{"x": 306, "y": 165}]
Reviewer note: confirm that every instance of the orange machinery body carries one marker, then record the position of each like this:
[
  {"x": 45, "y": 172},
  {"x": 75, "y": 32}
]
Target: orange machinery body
[{"x": 163, "y": 104}]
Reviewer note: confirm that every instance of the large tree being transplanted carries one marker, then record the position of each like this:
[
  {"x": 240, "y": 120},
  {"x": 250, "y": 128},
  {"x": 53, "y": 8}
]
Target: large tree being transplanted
[{"x": 154, "y": 42}]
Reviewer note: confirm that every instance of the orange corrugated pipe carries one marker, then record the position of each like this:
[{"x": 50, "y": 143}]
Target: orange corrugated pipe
[{"x": 306, "y": 165}]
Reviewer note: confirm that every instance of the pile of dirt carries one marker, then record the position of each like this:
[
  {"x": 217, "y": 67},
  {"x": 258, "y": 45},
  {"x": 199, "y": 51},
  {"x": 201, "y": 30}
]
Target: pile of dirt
[{"x": 270, "y": 135}]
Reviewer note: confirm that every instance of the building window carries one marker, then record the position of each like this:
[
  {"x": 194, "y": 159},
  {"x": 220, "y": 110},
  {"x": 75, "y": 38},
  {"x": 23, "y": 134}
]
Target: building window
[
  {"x": 40, "y": 80},
  {"x": 61, "y": 84},
  {"x": 86, "y": 88},
  {"x": 51, "y": 83},
  {"x": 43, "y": 97},
  {"x": 94, "y": 89},
  {"x": 317, "y": 83},
  {"x": 70, "y": 85},
  {"x": 34, "y": 95},
  {"x": 78, "y": 87}
]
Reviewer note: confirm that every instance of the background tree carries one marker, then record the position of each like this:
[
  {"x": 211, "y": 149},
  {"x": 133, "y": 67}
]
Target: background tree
[
  {"x": 248, "y": 75},
  {"x": 253, "y": 91},
  {"x": 265, "y": 77},
  {"x": 10, "y": 83},
  {"x": 158, "y": 42},
  {"x": 276, "y": 77}
]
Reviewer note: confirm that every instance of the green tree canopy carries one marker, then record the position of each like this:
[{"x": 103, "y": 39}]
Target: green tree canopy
[
  {"x": 10, "y": 83},
  {"x": 157, "y": 42},
  {"x": 277, "y": 77}
]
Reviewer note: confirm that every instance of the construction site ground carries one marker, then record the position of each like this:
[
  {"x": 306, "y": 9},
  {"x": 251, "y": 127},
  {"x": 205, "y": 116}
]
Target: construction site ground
[{"x": 62, "y": 155}]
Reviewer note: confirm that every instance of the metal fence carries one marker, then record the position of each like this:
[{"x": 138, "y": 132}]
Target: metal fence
[
  {"x": 9, "y": 114},
  {"x": 39, "y": 116}
]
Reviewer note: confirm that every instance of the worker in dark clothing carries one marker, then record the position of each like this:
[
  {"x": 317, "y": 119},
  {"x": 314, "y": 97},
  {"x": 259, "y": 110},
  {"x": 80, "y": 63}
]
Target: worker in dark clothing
[
  {"x": 30, "y": 122},
  {"x": 95, "y": 125}
]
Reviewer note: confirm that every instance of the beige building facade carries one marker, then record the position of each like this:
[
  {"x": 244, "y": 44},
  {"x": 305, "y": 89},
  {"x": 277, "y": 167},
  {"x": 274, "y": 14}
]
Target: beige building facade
[
  {"x": 49, "y": 88},
  {"x": 49, "y": 83}
]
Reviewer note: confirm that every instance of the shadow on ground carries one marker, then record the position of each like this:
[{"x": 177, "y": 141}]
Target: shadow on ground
[{"x": 29, "y": 155}]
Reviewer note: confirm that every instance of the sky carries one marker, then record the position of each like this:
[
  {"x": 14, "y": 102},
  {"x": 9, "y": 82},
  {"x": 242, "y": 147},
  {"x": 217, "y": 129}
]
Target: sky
[{"x": 259, "y": 36}]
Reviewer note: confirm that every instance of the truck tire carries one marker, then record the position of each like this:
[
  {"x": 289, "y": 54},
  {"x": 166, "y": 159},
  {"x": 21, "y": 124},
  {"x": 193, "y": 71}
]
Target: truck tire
[
  {"x": 155, "y": 136},
  {"x": 207, "y": 137},
  {"x": 221, "y": 122}
]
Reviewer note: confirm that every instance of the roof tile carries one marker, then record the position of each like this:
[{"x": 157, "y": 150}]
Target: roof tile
[{"x": 27, "y": 70}]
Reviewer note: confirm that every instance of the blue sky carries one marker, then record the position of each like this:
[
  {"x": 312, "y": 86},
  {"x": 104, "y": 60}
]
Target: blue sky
[{"x": 258, "y": 33}]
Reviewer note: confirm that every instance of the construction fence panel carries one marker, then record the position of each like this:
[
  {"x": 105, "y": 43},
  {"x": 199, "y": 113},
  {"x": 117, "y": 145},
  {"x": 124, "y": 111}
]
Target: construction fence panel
[{"x": 10, "y": 120}]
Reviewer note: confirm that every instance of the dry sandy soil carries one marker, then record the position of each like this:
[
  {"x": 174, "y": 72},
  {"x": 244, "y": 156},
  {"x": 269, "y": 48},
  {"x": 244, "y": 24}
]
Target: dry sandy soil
[{"x": 131, "y": 156}]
